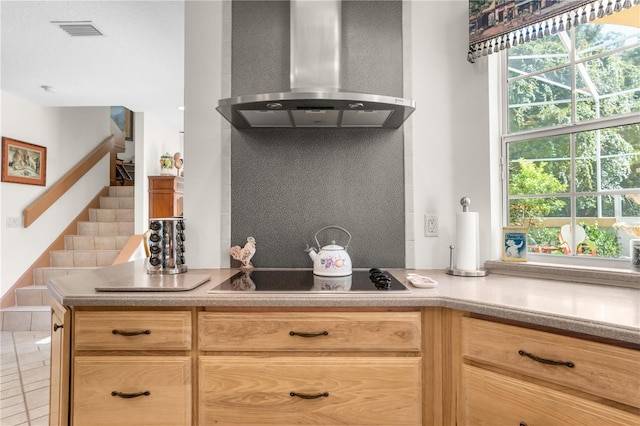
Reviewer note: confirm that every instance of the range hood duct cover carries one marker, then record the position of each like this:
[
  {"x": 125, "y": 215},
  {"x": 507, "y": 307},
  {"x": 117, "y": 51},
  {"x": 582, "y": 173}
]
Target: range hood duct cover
[{"x": 316, "y": 98}]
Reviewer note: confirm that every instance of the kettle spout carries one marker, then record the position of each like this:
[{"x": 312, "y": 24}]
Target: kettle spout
[{"x": 312, "y": 252}]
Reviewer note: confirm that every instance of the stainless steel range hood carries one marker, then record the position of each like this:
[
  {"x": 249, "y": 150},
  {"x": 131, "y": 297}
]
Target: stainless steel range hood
[{"x": 316, "y": 98}]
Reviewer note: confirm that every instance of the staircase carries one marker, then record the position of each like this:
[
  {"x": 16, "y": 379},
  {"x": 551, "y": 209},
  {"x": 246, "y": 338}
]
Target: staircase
[{"x": 97, "y": 243}]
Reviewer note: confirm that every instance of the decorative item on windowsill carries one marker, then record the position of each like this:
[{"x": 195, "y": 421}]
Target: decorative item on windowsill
[
  {"x": 633, "y": 230},
  {"x": 634, "y": 252},
  {"x": 514, "y": 244},
  {"x": 166, "y": 165},
  {"x": 466, "y": 247},
  {"x": 245, "y": 253},
  {"x": 178, "y": 162}
]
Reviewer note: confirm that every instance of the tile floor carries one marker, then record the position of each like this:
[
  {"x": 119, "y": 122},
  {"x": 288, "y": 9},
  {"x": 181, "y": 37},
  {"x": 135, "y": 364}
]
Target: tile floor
[{"x": 24, "y": 377}]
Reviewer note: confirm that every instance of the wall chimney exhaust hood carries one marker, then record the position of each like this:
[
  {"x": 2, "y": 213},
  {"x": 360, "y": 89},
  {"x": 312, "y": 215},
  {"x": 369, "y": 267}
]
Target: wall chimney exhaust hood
[{"x": 316, "y": 98}]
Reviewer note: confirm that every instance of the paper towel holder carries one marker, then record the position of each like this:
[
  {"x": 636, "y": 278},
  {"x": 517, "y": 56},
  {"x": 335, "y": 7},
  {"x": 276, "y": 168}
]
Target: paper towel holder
[
  {"x": 465, "y": 202},
  {"x": 463, "y": 272}
]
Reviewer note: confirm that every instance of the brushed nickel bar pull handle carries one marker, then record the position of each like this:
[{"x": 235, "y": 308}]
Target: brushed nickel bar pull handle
[
  {"x": 309, "y": 395},
  {"x": 130, "y": 333},
  {"x": 319, "y": 333},
  {"x": 130, "y": 395},
  {"x": 546, "y": 361},
  {"x": 57, "y": 326}
]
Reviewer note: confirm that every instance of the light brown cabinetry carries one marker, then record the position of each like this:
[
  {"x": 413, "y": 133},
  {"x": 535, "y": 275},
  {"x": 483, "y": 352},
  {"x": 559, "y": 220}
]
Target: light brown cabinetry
[
  {"x": 515, "y": 374},
  {"x": 310, "y": 390},
  {"x": 314, "y": 368},
  {"x": 60, "y": 355},
  {"x": 132, "y": 390},
  {"x": 364, "y": 366},
  {"x": 497, "y": 399},
  {"x": 132, "y": 330},
  {"x": 311, "y": 331},
  {"x": 132, "y": 367},
  {"x": 165, "y": 196}
]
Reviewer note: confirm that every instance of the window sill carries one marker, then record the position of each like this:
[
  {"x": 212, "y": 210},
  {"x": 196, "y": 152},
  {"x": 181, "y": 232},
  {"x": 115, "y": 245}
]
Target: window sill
[{"x": 573, "y": 273}]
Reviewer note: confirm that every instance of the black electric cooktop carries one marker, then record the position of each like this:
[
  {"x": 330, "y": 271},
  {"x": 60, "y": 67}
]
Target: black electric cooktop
[{"x": 303, "y": 280}]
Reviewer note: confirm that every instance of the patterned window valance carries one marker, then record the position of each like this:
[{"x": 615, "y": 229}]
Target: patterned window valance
[{"x": 495, "y": 25}]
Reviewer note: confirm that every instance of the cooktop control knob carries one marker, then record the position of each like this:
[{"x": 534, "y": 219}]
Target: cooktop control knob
[{"x": 380, "y": 279}]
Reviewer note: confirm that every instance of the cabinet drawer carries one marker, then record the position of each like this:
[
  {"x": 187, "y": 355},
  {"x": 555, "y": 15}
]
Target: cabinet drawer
[
  {"x": 168, "y": 183},
  {"x": 342, "y": 390},
  {"x": 166, "y": 379},
  {"x": 330, "y": 331},
  {"x": 132, "y": 330},
  {"x": 597, "y": 368},
  {"x": 490, "y": 398}
]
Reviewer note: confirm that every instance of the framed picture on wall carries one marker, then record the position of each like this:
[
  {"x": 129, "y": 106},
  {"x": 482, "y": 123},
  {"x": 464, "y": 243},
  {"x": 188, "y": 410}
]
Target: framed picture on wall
[
  {"x": 128, "y": 124},
  {"x": 23, "y": 162},
  {"x": 123, "y": 117}
]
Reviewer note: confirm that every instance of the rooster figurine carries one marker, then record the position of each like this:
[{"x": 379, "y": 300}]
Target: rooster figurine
[{"x": 245, "y": 253}]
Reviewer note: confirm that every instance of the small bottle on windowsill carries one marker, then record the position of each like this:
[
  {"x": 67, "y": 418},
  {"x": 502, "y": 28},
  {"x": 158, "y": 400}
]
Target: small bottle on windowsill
[{"x": 634, "y": 246}]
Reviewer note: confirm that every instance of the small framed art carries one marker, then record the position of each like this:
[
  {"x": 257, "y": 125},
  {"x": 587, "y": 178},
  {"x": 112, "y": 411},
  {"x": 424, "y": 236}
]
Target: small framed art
[
  {"x": 23, "y": 162},
  {"x": 123, "y": 118},
  {"x": 514, "y": 244}
]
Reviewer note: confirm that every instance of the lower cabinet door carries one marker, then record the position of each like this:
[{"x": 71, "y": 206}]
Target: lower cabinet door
[
  {"x": 247, "y": 390},
  {"x": 59, "y": 378},
  {"x": 142, "y": 390},
  {"x": 489, "y": 398}
]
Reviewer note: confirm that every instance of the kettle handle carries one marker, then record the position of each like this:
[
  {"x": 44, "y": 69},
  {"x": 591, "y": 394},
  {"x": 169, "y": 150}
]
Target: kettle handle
[{"x": 336, "y": 227}]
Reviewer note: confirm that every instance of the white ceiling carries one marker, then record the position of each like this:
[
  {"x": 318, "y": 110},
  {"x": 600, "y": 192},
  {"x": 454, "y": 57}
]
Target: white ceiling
[{"x": 137, "y": 63}]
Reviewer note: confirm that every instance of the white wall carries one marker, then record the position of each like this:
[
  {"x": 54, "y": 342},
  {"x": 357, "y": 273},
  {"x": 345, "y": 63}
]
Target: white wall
[
  {"x": 152, "y": 138},
  {"x": 450, "y": 129},
  {"x": 207, "y": 171},
  {"x": 69, "y": 134}
]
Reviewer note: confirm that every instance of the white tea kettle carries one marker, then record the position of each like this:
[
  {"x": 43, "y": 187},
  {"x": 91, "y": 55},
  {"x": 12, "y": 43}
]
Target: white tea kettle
[{"x": 332, "y": 260}]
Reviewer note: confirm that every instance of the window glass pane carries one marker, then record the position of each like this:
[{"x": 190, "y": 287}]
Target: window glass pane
[
  {"x": 625, "y": 208},
  {"x": 527, "y": 58},
  {"x": 534, "y": 212},
  {"x": 545, "y": 240},
  {"x": 597, "y": 207},
  {"x": 608, "y": 159},
  {"x": 587, "y": 148},
  {"x": 627, "y": 144},
  {"x": 630, "y": 206},
  {"x": 542, "y": 100},
  {"x": 587, "y": 206},
  {"x": 540, "y": 166},
  {"x": 593, "y": 39},
  {"x": 601, "y": 236},
  {"x": 609, "y": 85},
  {"x": 601, "y": 240}
]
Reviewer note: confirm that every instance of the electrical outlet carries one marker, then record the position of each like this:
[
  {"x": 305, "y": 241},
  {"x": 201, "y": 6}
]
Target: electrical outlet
[
  {"x": 13, "y": 222},
  {"x": 430, "y": 225}
]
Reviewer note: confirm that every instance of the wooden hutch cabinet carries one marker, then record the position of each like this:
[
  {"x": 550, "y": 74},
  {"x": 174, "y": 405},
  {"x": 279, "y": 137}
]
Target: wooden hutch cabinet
[{"x": 165, "y": 196}]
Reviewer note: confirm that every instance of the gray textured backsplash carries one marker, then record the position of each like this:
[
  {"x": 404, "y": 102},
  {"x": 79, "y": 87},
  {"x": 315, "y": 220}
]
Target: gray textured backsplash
[{"x": 286, "y": 184}]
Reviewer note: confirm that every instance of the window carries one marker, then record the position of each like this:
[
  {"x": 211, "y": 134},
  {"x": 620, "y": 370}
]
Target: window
[{"x": 572, "y": 141}]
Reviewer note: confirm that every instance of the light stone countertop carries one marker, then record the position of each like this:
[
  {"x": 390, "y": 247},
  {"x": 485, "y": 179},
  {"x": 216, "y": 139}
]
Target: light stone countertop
[{"x": 598, "y": 310}]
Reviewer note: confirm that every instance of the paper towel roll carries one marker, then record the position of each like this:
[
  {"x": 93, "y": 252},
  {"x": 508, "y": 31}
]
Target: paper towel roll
[{"x": 467, "y": 241}]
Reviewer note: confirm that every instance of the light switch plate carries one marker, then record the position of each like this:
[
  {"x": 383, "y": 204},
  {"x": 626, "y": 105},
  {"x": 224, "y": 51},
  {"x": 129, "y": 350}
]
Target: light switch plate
[{"x": 14, "y": 222}]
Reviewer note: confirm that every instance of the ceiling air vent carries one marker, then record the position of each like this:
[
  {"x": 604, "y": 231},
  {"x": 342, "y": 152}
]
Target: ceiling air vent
[{"x": 78, "y": 28}]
